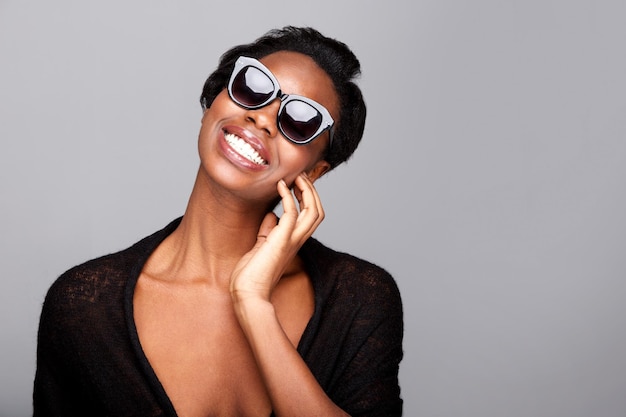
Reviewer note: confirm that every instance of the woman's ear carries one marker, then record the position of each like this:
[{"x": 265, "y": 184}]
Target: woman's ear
[{"x": 320, "y": 168}]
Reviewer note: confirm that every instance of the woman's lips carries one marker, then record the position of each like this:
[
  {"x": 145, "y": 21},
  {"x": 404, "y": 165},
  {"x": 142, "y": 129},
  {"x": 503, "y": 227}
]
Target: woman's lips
[{"x": 243, "y": 148}]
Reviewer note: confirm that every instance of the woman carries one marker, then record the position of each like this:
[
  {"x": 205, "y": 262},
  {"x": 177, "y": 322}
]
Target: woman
[{"x": 229, "y": 311}]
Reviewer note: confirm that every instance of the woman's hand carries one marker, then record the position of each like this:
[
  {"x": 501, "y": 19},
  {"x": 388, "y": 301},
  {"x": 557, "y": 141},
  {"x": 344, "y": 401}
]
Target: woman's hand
[
  {"x": 278, "y": 242},
  {"x": 292, "y": 388}
]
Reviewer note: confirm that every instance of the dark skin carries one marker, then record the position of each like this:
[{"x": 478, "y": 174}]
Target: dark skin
[{"x": 221, "y": 304}]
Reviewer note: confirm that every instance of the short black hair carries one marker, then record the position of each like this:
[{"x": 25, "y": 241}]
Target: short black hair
[{"x": 331, "y": 55}]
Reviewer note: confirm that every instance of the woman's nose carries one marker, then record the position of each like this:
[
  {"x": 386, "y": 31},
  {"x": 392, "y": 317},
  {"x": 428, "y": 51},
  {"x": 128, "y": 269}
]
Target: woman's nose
[{"x": 265, "y": 118}]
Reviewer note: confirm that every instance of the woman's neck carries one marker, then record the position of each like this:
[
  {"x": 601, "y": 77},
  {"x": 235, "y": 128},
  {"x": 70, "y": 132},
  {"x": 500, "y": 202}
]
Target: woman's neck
[{"x": 215, "y": 232}]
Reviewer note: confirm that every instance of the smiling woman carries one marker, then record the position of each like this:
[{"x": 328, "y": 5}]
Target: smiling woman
[{"x": 229, "y": 311}]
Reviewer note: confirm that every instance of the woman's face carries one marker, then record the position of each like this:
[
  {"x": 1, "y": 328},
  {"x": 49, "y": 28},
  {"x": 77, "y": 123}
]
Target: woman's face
[{"x": 229, "y": 133}]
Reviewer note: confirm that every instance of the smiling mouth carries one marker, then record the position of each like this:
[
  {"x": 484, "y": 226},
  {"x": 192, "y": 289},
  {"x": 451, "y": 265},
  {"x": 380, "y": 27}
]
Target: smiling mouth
[{"x": 244, "y": 149}]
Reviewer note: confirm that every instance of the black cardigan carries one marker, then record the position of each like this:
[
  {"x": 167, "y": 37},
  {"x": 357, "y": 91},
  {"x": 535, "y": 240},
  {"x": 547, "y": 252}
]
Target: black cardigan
[{"x": 90, "y": 362}]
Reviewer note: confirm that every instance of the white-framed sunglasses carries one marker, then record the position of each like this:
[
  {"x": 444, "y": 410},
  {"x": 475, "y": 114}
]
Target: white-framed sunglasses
[{"x": 300, "y": 119}]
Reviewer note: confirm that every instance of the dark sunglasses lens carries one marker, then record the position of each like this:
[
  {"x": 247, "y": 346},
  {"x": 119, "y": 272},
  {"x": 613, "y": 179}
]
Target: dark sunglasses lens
[
  {"x": 251, "y": 87},
  {"x": 299, "y": 121}
]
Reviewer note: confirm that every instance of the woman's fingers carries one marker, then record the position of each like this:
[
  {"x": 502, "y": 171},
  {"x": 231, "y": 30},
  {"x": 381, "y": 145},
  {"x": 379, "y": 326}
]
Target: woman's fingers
[
  {"x": 299, "y": 221},
  {"x": 309, "y": 198},
  {"x": 311, "y": 211},
  {"x": 267, "y": 225}
]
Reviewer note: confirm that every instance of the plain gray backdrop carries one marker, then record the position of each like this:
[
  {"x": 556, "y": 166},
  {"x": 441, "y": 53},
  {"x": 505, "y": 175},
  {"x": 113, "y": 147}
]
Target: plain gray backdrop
[{"x": 491, "y": 181}]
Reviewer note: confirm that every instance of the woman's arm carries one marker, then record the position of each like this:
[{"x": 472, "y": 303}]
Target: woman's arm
[{"x": 292, "y": 388}]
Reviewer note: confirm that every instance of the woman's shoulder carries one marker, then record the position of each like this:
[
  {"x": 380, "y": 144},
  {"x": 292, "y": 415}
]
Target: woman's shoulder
[
  {"x": 88, "y": 282},
  {"x": 354, "y": 276},
  {"x": 92, "y": 279}
]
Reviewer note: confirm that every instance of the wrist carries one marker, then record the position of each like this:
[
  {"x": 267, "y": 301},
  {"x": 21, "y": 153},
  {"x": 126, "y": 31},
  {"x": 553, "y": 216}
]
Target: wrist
[{"x": 250, "y": 306}]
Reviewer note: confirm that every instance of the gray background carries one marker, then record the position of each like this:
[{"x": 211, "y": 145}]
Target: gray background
[{"x": 490, "y": 183}]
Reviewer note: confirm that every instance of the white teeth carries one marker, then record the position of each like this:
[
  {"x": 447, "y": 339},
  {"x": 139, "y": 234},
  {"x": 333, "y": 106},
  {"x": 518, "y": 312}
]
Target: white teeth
[{"x": 244, "y": 149}]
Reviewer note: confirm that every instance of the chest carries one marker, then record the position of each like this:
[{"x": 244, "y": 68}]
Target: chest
[{"x": 194, "y": 344}]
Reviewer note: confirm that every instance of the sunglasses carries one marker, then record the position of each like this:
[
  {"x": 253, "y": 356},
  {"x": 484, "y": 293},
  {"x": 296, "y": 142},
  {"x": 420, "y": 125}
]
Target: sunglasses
[{"x": 300, "y": 119}]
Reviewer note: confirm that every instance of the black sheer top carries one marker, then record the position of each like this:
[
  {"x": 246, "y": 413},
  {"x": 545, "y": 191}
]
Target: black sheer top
[{"x": 90, "y": 361}]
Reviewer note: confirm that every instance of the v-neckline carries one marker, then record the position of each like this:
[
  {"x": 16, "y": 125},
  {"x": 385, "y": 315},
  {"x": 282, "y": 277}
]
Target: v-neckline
[{"x": 155, "y": 240}]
